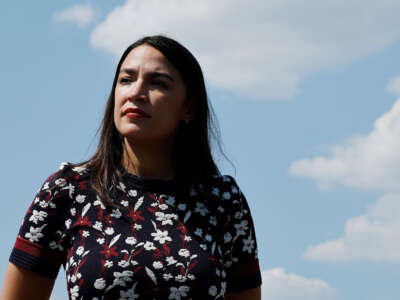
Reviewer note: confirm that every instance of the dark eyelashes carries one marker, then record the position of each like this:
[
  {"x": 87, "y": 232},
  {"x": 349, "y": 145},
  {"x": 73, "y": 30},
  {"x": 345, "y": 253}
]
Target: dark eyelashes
[{"x": 126, "y": 80}]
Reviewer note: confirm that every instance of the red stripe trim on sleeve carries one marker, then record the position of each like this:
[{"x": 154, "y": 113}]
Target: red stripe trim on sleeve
[{"x": 37, "y": 250}]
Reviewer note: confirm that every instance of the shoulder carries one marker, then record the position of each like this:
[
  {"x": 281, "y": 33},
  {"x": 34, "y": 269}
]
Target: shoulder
[
  {"x": 64, "y": 180},
  {"x": 224, "y": 191},
  {"x": 224, "y": 186}
]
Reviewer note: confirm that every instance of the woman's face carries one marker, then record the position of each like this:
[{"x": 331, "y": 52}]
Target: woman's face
[{"x": 147, "y": 81}]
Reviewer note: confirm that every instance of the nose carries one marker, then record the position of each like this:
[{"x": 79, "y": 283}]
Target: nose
[{"x": 137, "y": 90}]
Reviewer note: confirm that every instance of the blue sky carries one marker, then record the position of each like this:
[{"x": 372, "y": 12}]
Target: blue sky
[{"x": 305, "y": 96}]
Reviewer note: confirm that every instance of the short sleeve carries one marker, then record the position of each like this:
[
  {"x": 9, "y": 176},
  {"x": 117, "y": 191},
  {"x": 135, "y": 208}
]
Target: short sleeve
[
  {"x": 242, "y": 265},
  {"x": 41, "y": 243}
]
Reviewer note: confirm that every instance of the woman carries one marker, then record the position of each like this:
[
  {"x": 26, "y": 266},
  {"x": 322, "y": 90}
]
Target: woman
[{"x": 148, "y": 216}]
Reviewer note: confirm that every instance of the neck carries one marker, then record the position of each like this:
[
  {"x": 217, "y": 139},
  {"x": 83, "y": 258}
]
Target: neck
[{"x": 148, "y": 159}]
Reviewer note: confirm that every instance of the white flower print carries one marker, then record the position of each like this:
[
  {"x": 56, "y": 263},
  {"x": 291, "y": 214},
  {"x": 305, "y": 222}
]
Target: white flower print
[
  {"x": 215, "y": 191},
  {"x": 45, "y": 186},
  {"x": 98, "y": 202},
  {"x": 122, "y": 278},
  {"x": 100, "y": 283},
  {"x": 137, "y": 226},
  {"x": 167, "y": 276},
  {"x": 241, "y": 228},
  {"x": 109, "y": 230},
  {"x": 73, "y": 278},
  {"x": 193, "y": 192},
  {"x": 213, "y": 220},
  {"x": 124, "y": 203},
  {"x": 227, "y": 237},
  {"x": 100, "y": 241},
  {"x": 63, "y": 165},
  {"x": 130, "y": 240},
  {"x": 80, "y": 198},
  {"x": 163, "y": 206},
  {"x": 79, "y": 169},
  {"x": 74, "y": 292},
  {"x": 191, "y": 277},
  {"x": 217, "y": 272},
  {"x": 180, "y": 278},
  {"x": 226, "y": 178},
  {"x": 116, "y": 213},
  {"x": 68, "y": 223},
  {"x": 132, "y": 193},
  {"x": 121, "y": 186},
  {"x": 53, "y": 245},
  {"x": 201, "y": 209},
  {"x": 234, "y": 189},
  {"x": 157, "y": 265},
  {"x": 170, "y": 260},
  {"x": 129, "y": 294},
  {"x": 184, "y": 252},
  {"x": 208, "y": 237},
  {"x": 182, "y": 206},
  {"x": 108, "y": 264},
  {"x": 35, "y": 234},
  {"x": 238, "y": 215},
  {"x": 85, "y": 233},
  {"x": 70, "y": 188},
  {"x": 37, "y": 216},
  {"x": 98, "y": 225},
  {"x": 61, "y": 182},
  {"x": 161, "y": 236},
  {"x": 213, "y": 290},
  {"x": 170, "y": 201},
  {"x": 187, "y": 238},
  {"x": 220, "y": 209},
  {"x": 134, "y": 263},
  {"x": 80, "y": 250},
  {"x": 248, "y": 244},
  {"x": 123, "y": 263},
  {"x": 149, "y": 246},
  {"x": 73, "y": 211},
  {"x": 165, "y": 218},
  {"x": 226, "y": 196},
  {"x": 43, "y": 204},
  {"x": 198, "y": 232},
  {"x": 177, "y": 293},
  {"x": 223, "y": 288}
]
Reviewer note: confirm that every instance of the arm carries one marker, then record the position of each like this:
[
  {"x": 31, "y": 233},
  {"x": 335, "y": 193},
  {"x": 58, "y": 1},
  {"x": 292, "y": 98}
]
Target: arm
[
  {"x": 20, "y": 283},
  {"x": 251, "y": 294}
]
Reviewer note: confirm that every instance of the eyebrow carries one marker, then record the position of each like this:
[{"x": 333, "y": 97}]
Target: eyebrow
[{"x": 150, "y": 74}]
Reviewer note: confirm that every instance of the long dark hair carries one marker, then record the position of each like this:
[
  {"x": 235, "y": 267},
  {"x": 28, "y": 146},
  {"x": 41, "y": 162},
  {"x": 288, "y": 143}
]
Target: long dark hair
[{"x": 192, "y": 158}]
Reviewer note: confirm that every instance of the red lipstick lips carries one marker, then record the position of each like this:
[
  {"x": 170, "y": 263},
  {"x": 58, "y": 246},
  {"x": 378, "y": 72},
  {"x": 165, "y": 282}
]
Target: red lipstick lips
[{"x": 135, "y": 113}]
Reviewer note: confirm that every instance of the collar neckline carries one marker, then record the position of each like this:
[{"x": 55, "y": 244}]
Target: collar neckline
[{"x": 150, "y": 184}]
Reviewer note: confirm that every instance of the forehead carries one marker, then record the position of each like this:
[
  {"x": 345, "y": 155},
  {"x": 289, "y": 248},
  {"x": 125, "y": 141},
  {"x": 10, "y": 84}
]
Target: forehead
[{"x": 147, "y": 57}]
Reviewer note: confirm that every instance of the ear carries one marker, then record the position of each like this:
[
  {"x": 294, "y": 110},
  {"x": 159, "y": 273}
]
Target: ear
[{"x": 189, "y": 109}]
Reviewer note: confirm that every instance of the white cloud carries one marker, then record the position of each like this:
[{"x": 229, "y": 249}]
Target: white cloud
[
  {"x": 368, "y": 162},
  {"x": 394, "y": 86},
  {"x": 365, "y": 162},
  {"x": 374, "y": 236},
  {"x": 279, "y": 285},
  {"x": 260, "y": 49},
  {"x": 79, "y": 14}
]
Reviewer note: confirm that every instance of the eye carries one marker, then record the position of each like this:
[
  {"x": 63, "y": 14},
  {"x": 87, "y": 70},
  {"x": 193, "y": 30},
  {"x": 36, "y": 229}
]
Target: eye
[
  {"x": 125, "y": 80},
  {"x": 159, "y": 83}
]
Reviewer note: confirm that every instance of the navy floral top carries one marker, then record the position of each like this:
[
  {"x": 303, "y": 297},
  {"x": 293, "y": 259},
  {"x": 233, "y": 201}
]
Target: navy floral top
[{"x": 159, "y": 247}]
